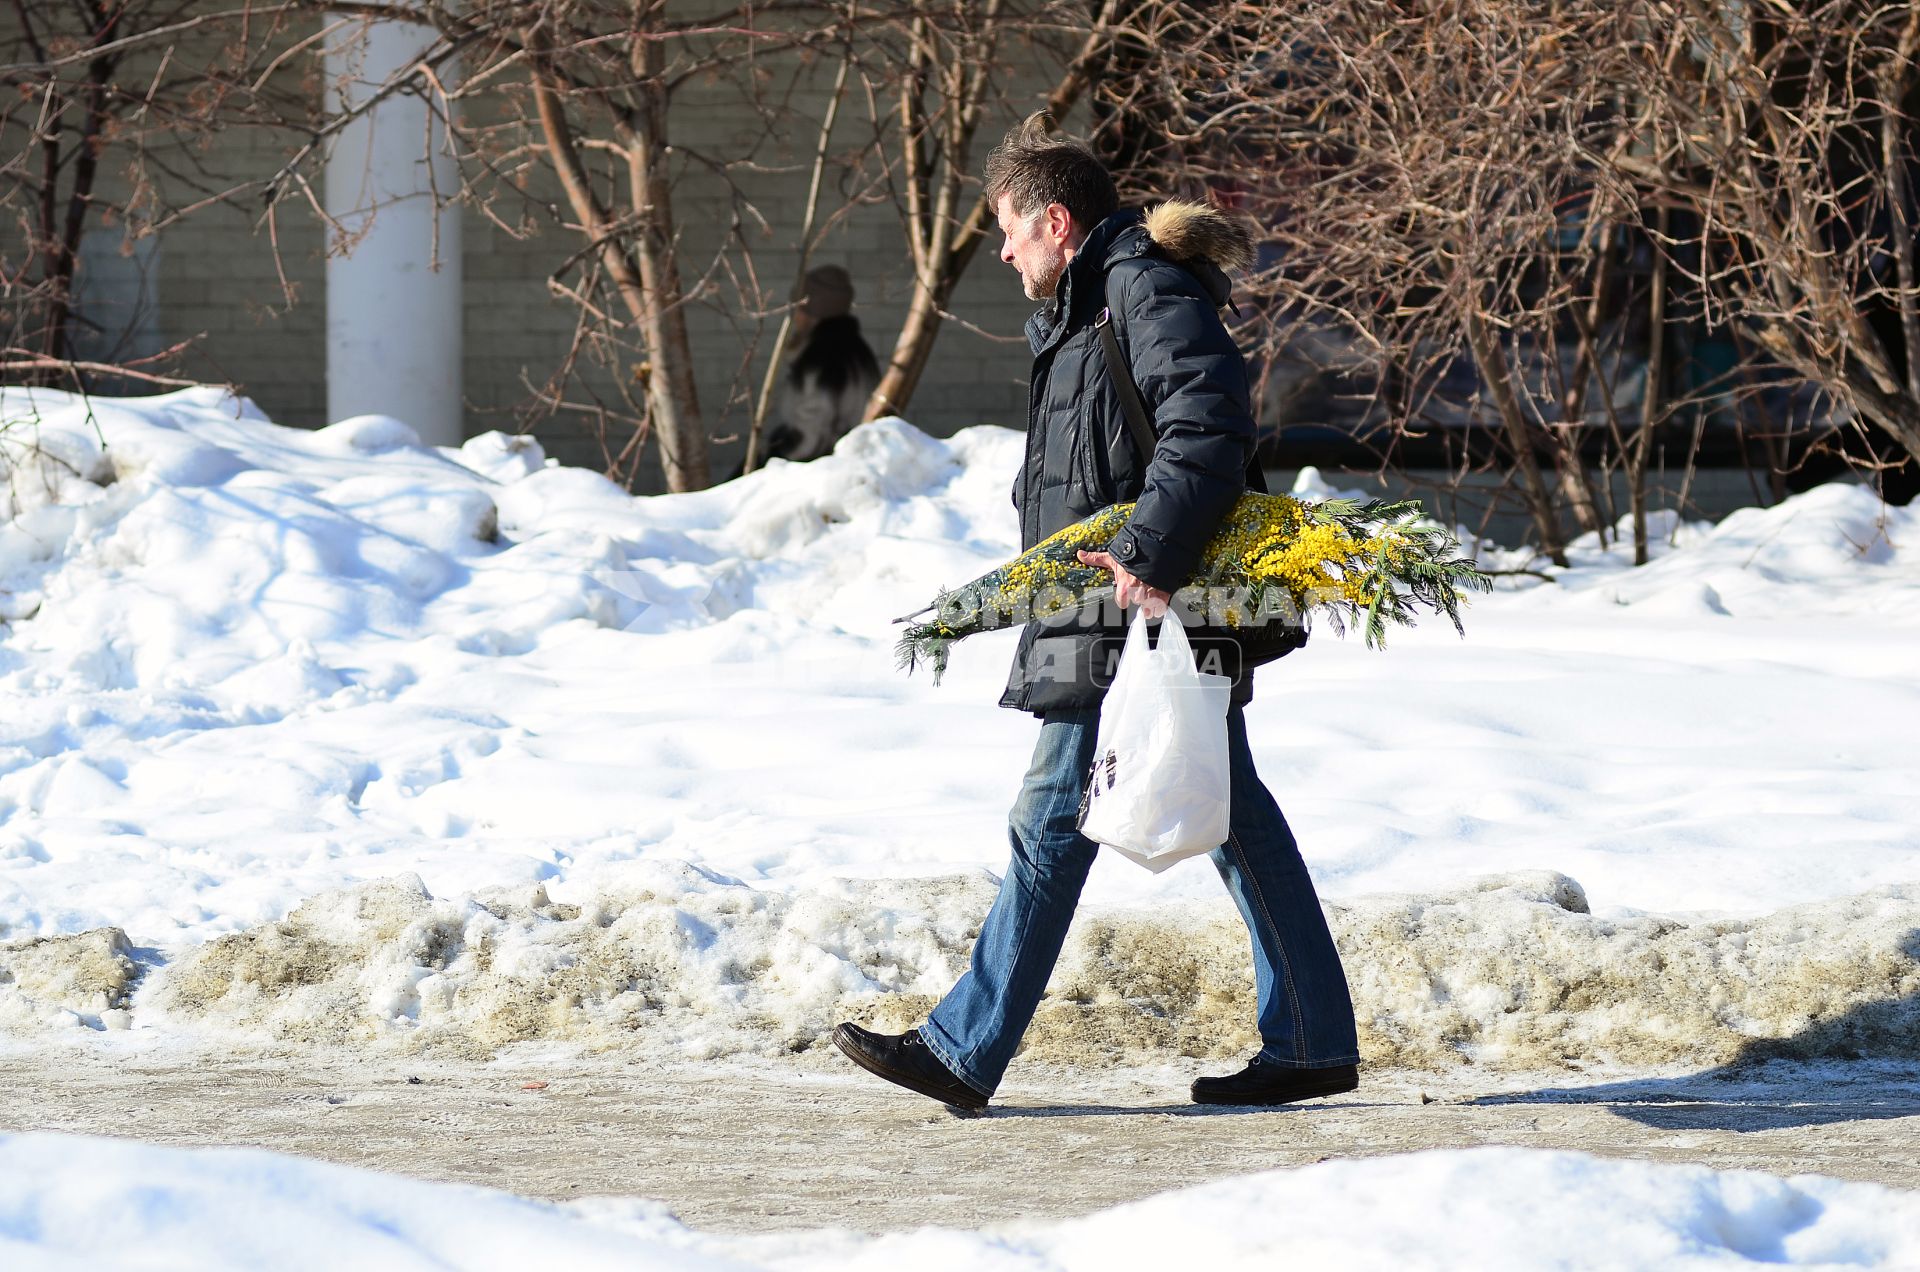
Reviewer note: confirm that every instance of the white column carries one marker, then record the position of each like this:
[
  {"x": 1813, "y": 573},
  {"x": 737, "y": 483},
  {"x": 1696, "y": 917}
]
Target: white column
[{"x": 393, "y": 323}]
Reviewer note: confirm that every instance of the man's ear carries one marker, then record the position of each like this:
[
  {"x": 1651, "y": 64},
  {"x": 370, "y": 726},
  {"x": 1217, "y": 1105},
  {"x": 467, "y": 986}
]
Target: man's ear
[{"x": 1059, "y": 223}]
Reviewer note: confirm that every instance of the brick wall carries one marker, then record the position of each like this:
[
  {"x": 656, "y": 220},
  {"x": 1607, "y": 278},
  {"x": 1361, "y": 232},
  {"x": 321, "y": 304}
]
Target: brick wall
[
  {"x": 214, "y": 273},
  {"x": 972, "y": 378}
]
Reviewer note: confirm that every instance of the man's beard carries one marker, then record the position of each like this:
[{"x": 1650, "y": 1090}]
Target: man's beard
[{"x": 1043, "y": 284}]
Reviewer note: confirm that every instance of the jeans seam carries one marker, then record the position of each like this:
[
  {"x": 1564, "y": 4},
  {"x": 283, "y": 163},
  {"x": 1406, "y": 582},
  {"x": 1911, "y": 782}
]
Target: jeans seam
[
  {"x": 1330, "y": 1063},
  {"x": 1019, "y": 939},
  {"x": 1280, "y": 947}
]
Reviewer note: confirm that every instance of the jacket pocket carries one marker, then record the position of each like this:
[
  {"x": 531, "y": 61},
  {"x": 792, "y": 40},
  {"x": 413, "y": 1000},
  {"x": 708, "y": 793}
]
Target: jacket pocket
[{"x": 1086, "y": 492}]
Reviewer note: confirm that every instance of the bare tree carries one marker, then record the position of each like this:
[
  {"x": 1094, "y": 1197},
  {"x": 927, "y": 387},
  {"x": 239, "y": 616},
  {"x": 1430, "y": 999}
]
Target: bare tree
[
  {"x": 1499, "y": 210},
  {"x": 1791, "y": 143},
  {"x": 578, "y": 98},
  {"x": 108, "y": 111},
  {"x": 929, "y": 74},
  {"x": 1412, "y": 168},
  {"x": 588, "y": 90},
  {"x": 776, "y": 361},
  {"x": 1461, "y": 220}
]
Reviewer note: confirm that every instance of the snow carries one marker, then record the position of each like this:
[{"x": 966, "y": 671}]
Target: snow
[
  {"x": 1508, "y": 971},
  {"x": 74, "y": 1202},
  {"x": 82, "y": 1202},
  {"x": 333, "y": 735}
]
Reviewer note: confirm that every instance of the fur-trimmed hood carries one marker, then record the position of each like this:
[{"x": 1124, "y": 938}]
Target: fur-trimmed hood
[
  {"x": 1203, "y": 240},
  {"x": 1187, "y": 232}
]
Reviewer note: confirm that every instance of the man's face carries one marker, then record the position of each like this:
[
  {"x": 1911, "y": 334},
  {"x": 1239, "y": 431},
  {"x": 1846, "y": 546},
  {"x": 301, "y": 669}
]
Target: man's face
[{"x": 1039, "y": 245}]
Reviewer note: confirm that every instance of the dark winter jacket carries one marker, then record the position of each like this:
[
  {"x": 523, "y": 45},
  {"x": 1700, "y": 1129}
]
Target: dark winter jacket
[{"x": 1162, "y": 272}]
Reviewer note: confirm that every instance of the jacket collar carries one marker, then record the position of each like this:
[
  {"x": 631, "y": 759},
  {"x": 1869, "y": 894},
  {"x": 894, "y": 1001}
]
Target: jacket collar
[{"x": 1082, "y": 291}]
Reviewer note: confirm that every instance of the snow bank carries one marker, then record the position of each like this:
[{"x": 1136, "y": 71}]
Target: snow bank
[
  {"x": 251, "y": 662},
  {"x": 1494, "y": 1208},
  {"x": 672, "y": 958},
  {"x": 1515, "y": 971},
  {"x": 1506, "y": 972},
  {"x": 85, "y": 979},
  {"x": 645, "y": 765},
  {"x": 1834, "y": 550},
  {"x": 71, "y": 1201}
]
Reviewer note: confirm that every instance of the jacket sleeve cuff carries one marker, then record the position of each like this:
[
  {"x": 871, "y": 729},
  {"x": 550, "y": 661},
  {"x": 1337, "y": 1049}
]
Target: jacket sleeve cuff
[{"x": 1150, "y": 559}]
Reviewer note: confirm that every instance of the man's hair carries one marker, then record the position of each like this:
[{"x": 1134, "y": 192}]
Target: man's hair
[{"x": 1036, "y": 167}]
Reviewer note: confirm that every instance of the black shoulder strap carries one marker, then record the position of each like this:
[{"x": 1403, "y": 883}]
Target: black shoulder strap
[
  {"x": 1131, "y": 406},
  {"x": 1139, "y": 422}
]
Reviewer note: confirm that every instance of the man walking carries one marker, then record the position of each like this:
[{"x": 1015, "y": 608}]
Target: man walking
[{"x": 1158, "y": 278}]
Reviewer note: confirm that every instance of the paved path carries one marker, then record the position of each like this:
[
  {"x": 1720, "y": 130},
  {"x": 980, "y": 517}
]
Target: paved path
[{"x": 763, "y": 1145}]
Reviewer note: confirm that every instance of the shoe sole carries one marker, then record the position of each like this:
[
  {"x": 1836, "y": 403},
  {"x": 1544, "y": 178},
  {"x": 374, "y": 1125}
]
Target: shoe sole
[
  {"x": 906, "y": 1081},
  {"x": 1316, "y": 1092}
]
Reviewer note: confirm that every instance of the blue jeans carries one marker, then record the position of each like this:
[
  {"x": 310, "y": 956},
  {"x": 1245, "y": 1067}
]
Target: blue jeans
[{"x": 1305, "y": 1014}]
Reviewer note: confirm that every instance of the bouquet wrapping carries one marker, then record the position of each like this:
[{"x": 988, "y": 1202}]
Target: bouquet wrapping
[{"x": 1274, "y": 558}]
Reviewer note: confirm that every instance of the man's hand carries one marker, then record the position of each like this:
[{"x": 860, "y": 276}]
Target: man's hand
[{"x": 1127, "y": 589}]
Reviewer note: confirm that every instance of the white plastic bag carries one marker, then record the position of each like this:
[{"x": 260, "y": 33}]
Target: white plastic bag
[{"x": 1158, "y": 790}]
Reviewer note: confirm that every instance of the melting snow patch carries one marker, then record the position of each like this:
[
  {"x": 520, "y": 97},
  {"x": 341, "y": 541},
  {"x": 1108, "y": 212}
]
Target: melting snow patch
[
  {"x": 75, "y": 1201},
  {"x": 1509, "y": 972}
]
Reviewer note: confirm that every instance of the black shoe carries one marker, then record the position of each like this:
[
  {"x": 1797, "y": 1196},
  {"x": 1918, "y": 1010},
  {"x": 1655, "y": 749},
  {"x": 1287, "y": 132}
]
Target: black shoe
[
  {"x": 1261, "y": 1083},
  {"x": 903, "y": 1059}
]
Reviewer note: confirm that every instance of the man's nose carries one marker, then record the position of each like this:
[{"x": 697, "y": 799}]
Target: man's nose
[{"x": 1006, "y": 254}]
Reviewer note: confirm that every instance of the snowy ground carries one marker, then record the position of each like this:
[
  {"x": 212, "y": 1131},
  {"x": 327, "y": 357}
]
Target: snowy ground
[
  {"x": 735, "y": 1145},
  {"x": 735, "y": 1177},
  {"x": 91, "y": 1203},
  {"x": 332, "y": 738}
]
